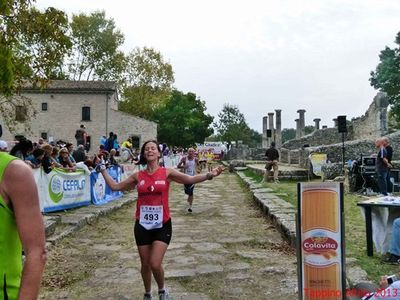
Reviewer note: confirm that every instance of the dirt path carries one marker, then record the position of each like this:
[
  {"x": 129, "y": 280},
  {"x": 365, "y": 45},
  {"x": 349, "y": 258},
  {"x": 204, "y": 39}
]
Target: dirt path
[{"x": 225, "y": 249}]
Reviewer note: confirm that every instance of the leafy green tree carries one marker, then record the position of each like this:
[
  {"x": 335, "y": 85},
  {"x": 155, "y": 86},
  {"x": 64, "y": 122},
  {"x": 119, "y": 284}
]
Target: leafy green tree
[
  {"x": 95, "y": 54},
  {"x": 182, "y": 120},
  {"x": 288, "y": 134},
  {"x": 309, "y": 129},
  {"x": 255, "y": 139},
  {"x": 386, "y": 77},
  {"x": 147, "y": 84},
  {"x": 32, "y": 47},
  {"x": 232, "y": 125},
  {"x": 32, "y": 44}
]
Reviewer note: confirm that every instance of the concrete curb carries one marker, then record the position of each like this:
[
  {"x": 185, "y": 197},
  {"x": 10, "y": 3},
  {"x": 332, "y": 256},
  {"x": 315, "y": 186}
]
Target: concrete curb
[
  {"x": 62, "y": 224},
  {"x": 282, "y": 215}
]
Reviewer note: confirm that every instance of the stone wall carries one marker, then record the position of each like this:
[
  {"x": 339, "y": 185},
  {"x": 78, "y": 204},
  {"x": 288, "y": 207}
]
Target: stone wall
[
  {"x": 371, "y": 125},
  {"x": 374, "y": 122},
  {"x": 325, "y": 136},
  {"x": 353, "y": 151},
  {"x": 244, "y": 152}
]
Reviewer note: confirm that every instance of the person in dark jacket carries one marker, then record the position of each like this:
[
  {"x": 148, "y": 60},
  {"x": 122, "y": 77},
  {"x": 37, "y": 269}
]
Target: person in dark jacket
[
  {"x": 79, "y": 154},
  {"x": 272, "y": 156}
]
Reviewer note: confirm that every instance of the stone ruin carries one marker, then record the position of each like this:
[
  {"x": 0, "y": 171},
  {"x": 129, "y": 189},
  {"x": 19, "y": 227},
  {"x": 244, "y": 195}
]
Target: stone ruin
[{"x": 359, "y": 139}]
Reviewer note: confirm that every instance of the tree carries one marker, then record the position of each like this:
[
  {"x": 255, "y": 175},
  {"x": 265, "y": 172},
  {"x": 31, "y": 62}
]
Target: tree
[
  {"x": 255, "y": 138},
  {"x": 232, "y": 125},
  {"x": 182, "y": 120},
  {"x": 95, "y": 54},
  {"x": 386, "y": 77},
  {"x": 288, "y": 134},
  {"x": 147, "y": 83},
  {"x": 32, "y": 47}
]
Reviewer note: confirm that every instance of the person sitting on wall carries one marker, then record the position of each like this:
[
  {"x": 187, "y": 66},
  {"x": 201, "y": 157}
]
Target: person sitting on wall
[{"x": 272, "y": 156}]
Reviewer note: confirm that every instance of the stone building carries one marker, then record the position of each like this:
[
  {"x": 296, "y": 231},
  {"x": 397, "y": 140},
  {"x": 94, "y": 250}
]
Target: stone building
[{"x": 64, "y": 105}]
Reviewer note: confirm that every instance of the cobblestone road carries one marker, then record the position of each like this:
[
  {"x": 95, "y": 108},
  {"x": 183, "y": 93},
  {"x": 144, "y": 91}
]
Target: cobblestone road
[{"x": 225, "y": 249}]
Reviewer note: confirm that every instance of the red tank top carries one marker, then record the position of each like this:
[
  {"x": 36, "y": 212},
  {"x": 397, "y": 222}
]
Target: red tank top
[{"x": 153, "y": 190}]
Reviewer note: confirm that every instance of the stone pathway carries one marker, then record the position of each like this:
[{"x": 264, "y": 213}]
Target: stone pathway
[{"x": 225, "y": 249}]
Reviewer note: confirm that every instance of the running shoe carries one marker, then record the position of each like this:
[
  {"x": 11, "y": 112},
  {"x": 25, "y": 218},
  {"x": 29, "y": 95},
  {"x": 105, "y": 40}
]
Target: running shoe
[
  {"x": 147, "y": 297},
  {"x": 392, "y": 259},
  {"x": 190, "y": 209},
  {"x": 163, "y": 295}
]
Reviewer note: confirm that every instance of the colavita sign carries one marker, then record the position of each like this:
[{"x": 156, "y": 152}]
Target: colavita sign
[{"x": 320, "y": 234}]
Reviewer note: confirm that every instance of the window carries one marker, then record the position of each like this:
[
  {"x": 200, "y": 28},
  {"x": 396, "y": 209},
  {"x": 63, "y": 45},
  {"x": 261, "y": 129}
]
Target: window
[
  {"x": 44, "y": 106},
  {"x": 43, "y": 135},
  {"x": 20, "y": 113},
  {"x": 85, "y": 113}
]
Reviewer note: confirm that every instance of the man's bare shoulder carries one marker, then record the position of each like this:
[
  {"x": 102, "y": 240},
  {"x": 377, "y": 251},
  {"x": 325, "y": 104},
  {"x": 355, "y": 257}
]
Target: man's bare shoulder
[{"x": 17, "y": 168}]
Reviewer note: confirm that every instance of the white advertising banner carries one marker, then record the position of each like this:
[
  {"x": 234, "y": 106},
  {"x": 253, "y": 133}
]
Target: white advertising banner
[{"x": 60, "y": 190}]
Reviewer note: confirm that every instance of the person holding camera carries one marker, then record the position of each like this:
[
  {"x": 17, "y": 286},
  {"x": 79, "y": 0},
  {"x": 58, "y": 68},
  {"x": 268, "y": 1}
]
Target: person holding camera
[{"x": 389, "y": 289}]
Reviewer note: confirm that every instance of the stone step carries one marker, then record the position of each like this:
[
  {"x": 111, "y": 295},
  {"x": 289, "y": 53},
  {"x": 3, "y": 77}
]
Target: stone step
[{"x": 50, "y": 224}]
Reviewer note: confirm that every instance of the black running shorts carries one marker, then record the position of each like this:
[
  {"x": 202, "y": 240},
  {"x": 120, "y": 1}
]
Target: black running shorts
[
  {"x": 189, "y": 189},
  {"x": 147, "y": 237}
]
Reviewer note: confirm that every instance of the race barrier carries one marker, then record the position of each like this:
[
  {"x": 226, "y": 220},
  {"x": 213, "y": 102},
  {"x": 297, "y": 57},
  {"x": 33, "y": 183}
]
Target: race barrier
[{"x": 61, "y": 190}]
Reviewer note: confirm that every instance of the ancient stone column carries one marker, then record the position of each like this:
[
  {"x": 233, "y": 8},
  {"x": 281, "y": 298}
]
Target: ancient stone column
[
  {"x": 316, "y": 121},
  {"x": 278, "y": 133},
  {"x": 297, "y": 128},
  {"x": 335, "y": 122},
  {"x": 271, "y": 127},
  {"x": 264, "y": 132},
  {"x": 302, "y": 123}
]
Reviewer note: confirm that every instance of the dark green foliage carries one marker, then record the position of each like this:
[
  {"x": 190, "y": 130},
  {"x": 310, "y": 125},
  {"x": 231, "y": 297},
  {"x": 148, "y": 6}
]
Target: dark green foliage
[
  {"x": 33, "y": 44},
  {"x": 386, "y": 77},
  {"x": 182, "y": 120},
  {"x": 232, "y": 126}
]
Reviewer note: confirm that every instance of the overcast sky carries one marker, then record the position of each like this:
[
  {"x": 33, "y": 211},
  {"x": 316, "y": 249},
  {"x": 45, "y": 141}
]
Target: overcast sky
[{"x": 262, "y": 55}]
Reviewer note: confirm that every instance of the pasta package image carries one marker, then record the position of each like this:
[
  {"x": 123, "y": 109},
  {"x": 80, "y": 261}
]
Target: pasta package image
[{"x": 320, "y": 240}]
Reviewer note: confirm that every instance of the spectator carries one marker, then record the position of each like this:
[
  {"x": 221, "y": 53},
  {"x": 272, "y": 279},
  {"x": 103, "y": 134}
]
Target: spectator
[
  {"x": 22, "y": 149},
  {"x": 79, "y": 154},
  {"x": 103, "y": 140},
  {"x": 102, "y": 154},
  {"x": 3, "y": 146},
  {"x": 393, "y": 257},
  {"x": 272, "y": 156},
  {"x": 81, "y": 135},
  {"x": 382, "y": 166},
  {"x": 389, "y": 155},
  {"x": 70, "y": 148},
  {"x": 35, "y": 159},
  {"x": 110, "y": 142},
  {"x": 40, "y": 143},
  {"x": 65, "y": 161},
  {"x": 54, "y": 158},
  {"x": 116, "y": 144},
  {"x": 111, "y": 159},
  {"x": 47, "y": 163}
]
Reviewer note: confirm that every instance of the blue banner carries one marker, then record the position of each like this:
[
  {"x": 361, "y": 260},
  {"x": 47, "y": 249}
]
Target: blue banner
[{"x": 100, "y": 191}]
